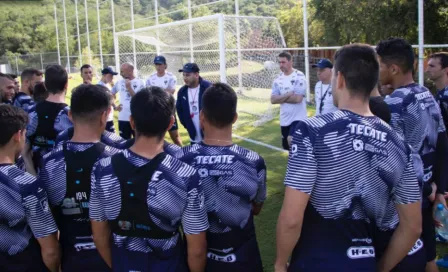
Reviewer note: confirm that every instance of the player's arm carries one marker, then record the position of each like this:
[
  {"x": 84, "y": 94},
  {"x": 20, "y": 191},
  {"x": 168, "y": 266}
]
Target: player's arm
[
  {"x": 179, "y": 109},
  {"x": 42, "y": 224},
  {"x": 407, "y": 198},
  {"x": 299, "y": 92},
  {"x": 27, "y": 155},
  {"x": 100, "y": 228},
  {"x": 101, "y": 237},
  {"x": 51, "y": 255},
  {"x": 299, "y": 181},
  {"x": 172, "y": 86},
  {"x": 280, "y": 98},
  {"x": 260, "y": 197},
  {"x": 195, "y": 225}
]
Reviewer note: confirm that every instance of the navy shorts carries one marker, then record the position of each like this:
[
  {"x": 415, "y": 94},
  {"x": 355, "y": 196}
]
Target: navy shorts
[
  {"x": 287, "y": 131},
  {"x": 110, "y": 126},
  {"x": 126, "y": 132}
]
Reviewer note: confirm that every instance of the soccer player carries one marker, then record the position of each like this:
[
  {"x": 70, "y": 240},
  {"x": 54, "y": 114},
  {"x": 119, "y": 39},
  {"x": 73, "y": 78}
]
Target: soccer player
[
  {"x": 234, "y": 181},
  {"x": 127, "y": 87},
  {"x": 107, "y": 78},
  {"x": 86, "y": 74},
  {"x": 6, "y": 89},
  {"x": 28, "y": 233},
  {"x": 167, "y": 81},
  {"x": 144, "y": 195},
  {"x": 417, "y": 118},
  {"x": 65, "y": 175},
  {"x": 438, "y": 72},
  {"x": 322, "y": 90},
  {"x": 377, "y": 105},
  {"x": 16, "y": 83},
  {"x": 350, "y": 166},
  {"x": 289, "y": 90},
  {"x": 189, "y": 99},
  {"x": 29, "y": 78},
  {"x": 48, "y": 119}
]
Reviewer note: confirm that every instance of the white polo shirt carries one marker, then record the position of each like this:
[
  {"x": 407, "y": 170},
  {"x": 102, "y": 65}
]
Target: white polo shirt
[
  {"x": 125, "y": 97},
  {"x": 323, "y": 95}
]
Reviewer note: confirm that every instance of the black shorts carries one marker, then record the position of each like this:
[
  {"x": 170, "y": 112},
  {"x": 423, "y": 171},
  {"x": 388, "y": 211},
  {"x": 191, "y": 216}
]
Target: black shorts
[
  {"x": 175, "y": 125},
  {"x": 110, "y": 126},
  {"x": 429, "y": 234},
  {"x": 126, "y": 131},
  {"x": 285, "y": 133}
]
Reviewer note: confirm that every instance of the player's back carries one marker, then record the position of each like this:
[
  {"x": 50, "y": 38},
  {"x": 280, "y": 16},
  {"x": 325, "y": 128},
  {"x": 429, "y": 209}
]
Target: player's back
[
  {"x": 108, "y": 138},
  {"x": 353, "y": 167},
  {"x": 233, "y": 179}
]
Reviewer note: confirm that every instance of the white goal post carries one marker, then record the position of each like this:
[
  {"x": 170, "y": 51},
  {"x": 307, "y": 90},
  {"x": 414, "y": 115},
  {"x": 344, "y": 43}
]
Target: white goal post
[{"x": 239, "y": 50}]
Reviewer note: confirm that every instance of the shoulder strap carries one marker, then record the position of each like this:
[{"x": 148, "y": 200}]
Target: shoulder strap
[{"x": 321, "y": 106}]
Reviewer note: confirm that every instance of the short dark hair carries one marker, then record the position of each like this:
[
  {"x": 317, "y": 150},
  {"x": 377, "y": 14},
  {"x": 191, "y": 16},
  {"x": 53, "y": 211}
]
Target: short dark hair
[
  {"x": 7, "y": 76},
  {"x": 13, "y": 76},
  {"x": 219, "y": 104},
  {"x": 56, "y": 78},
  {"x": 286, "y": 55},
  {"x": 12, "y": 119},
  {"x": 88, "y": 102},
  {"x": 358, "y": 64},
  {"x": 40, "y": 92},
  {"x": 442, "y": 56},
  {"x": 28, "y": 74},
  {"x": 85, "y": 66},
  {"x": 152, "y": 109},
  {"x": 397, "y": 51}
]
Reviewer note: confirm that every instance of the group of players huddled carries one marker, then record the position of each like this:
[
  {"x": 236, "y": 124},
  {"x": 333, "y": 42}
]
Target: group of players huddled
[{"x": 359, "y": 189}]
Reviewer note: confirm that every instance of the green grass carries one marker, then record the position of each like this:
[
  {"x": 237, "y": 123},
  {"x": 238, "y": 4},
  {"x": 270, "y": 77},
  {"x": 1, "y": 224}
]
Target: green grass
[{"x": 276, "y": 166}]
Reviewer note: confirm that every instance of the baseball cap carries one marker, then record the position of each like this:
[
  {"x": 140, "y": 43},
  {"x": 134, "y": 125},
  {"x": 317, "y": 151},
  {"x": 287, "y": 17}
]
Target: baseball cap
[
  {"x": 159, "y": 60},
  {"x": 190, "y": 68},
  {"x": 108, "y": 70},
  {"x": 322, "y": 64}
]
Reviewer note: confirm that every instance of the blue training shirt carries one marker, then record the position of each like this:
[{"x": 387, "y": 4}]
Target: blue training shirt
[
  {"x": 353, "y": 168},
  {"x": 175, "y": 198},
  {"x": 24, "y": 207},
  {"x": 23, "y": 101}
]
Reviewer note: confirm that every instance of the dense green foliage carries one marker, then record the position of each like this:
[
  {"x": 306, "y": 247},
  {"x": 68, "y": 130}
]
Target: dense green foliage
[{"x": 28, "y": 27}]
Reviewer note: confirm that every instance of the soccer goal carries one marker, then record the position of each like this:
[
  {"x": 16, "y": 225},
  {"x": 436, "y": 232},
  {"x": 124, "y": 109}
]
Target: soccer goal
[{"x": 239, "y": 50}]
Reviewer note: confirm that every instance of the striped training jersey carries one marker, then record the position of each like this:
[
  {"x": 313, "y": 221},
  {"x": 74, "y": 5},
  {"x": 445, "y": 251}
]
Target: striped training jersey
[
  {"x": 233, "y": 178},
  {"x": 52, "y": 175},
  {"x": 354, "y": 168},
  {"x": 24, "y": 210},
  {"x": 23, "y": 101},
  {"x": 108, "y": 138},
  {"x": 174, "y": 198}
]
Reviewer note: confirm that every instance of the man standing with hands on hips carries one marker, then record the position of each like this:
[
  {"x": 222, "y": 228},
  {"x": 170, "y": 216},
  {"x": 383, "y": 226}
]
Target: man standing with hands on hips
[
  {"x": 127, "y": 87},
  {"x": 189, "y": 98},
  {"x": 322, "y": 90}
]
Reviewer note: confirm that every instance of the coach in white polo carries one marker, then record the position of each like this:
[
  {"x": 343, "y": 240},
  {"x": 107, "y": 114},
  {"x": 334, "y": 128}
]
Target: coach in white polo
[
  {"x": 289, "y": 90},
  {"x": 322, "y": 91},
  {"x": 128, "y": 86}
]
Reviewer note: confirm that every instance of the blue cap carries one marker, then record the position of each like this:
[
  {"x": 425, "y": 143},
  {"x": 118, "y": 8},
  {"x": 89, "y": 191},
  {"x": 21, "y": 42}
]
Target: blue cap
[
  {"x": 108, "y": 70},
  {"x": 322, "y": 64},
  {"x": 190, "y": 68},
  {"x": 440, "y": 207},
  {"x": 159, "y": 60}
]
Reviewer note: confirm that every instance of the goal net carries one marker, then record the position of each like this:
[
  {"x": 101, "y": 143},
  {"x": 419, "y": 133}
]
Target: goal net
[{"x": 239, "y": 50}]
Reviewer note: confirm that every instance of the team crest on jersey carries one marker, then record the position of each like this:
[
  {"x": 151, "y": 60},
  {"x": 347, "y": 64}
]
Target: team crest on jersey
[
  {"x": 44, "y": 205},
  {"x": 166, "y": 81},
  {"x": 203, "y": 172},
  {"x": 292, "y": 82},
  {"x": 358, "y": 145},
  {"x": 124, "y": 225}
]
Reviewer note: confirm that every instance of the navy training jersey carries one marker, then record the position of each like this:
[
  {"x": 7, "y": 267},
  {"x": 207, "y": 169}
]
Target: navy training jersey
[
  {"x": 107, "y": 138},
  {"x": 233, "y": 179},
  {"x": 169, "y": 148},
  {"x": 24, "y": 211},
  {"x": 61, "y": 123},
  {"x": 416, "y": 117},
  {"x": 77, "y": 245},
  {"x": 23, "y": 101},
  {"x": 353, "y": 168},
  {"x": 174, "y": 197}
]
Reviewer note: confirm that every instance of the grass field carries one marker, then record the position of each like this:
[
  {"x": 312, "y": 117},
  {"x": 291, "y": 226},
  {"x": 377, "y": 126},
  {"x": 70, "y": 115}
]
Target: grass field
[{"x": 276, "y": 161}]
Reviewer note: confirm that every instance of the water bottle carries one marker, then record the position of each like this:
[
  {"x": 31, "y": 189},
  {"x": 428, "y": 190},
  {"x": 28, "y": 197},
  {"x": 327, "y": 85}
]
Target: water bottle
[{"x": 442, "y": 216}]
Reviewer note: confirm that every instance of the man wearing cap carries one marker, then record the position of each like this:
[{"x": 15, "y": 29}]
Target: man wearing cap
[
  {"x": 128, "y": 86},
  {"x": 322, "y": 90},
  {"x": 289, "y": 90},
  {"x": 189, "y": 98},
  {"x": 107, "y": 78},
  {"x": 167, "y": 81}
]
